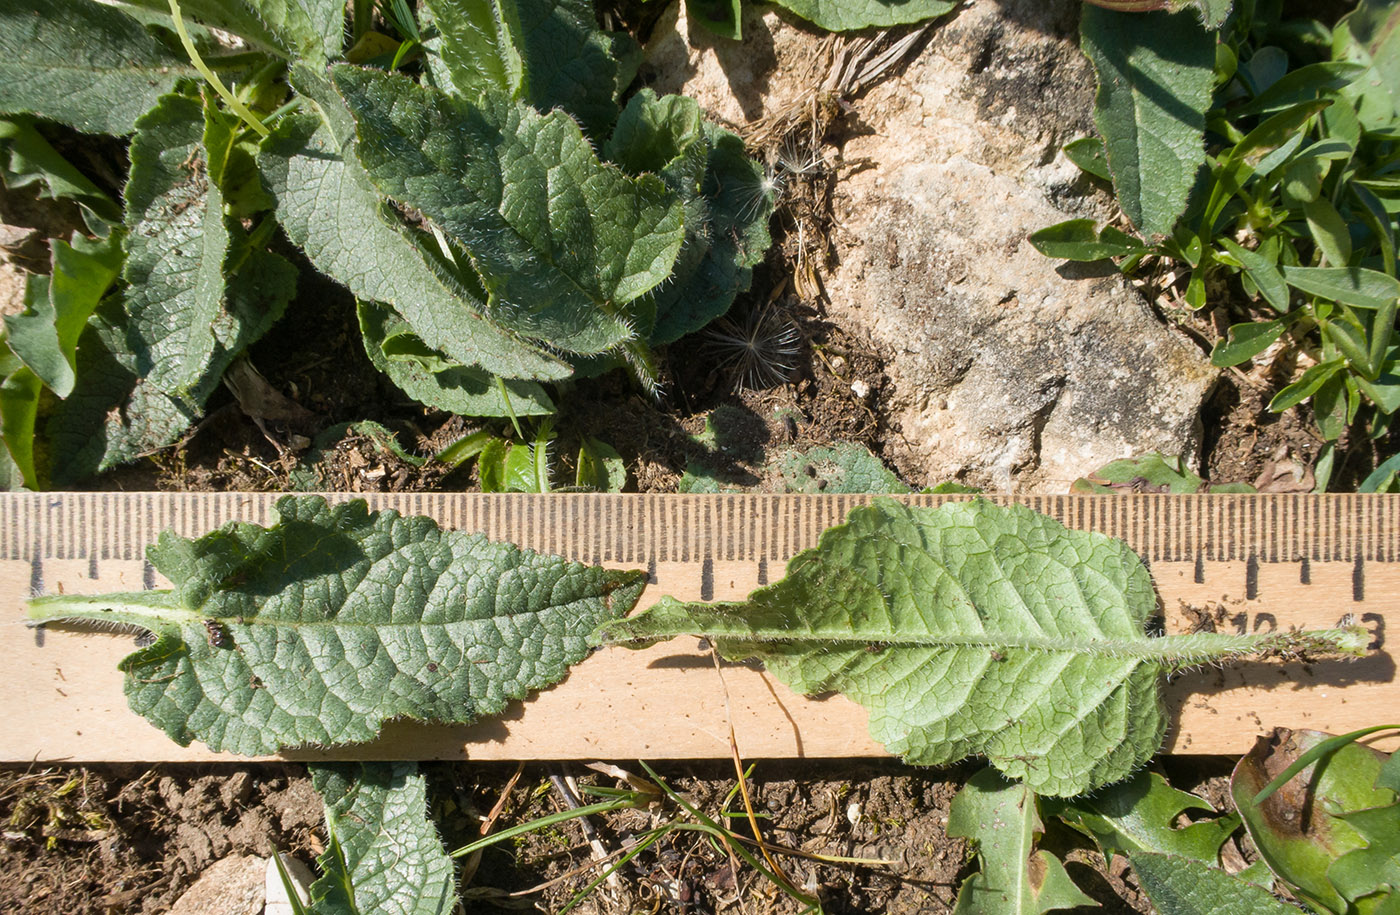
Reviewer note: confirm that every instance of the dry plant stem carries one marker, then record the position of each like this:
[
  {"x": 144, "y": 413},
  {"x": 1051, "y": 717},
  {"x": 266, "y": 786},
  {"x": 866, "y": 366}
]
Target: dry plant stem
[
  {"x": 489, "y": 823},
  {"x": 568, "y": 789},
  {"x": 778, "y": 872}
]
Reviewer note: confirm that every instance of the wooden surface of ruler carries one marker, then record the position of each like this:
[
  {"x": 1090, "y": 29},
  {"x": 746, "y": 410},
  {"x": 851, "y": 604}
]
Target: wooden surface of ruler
[{"x": 1242, "y": 563}]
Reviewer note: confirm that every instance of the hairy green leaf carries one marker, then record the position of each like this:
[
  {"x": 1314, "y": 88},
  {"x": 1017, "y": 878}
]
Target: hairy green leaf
[
  {"x": 845, "y": 467},
  {"x": 844, "y": 15},
  {"x": 548, "y": 53},
  {"x": 1155, "y": 73},
  {"x": 235, "y": 16},
  {"x": 1182, "y": 886},
  {"x": 321, "y": 627},
  {"x": 314, "y": 30},
  {"x": 384, "y": 854},
  {"x": 327, "y": 206},
  {"x": 187, "y": 319},
  {"x": 1003, "y": 819},
  {"x": 727, "y": 205},
  {"x": 46, "y": 334},
  {"x": 111, "y": 417},
  {"x": 430, "y": 378},
  {"x": 1141, "y": 814},
  {"x": 562, "y": 241},
  {"x": 970, "y": 628},
  {"x": 82, "y": 63}
]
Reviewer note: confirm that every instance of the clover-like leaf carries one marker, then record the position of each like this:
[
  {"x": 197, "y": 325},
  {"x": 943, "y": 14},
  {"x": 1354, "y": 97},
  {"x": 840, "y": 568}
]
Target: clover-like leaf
[
  {"x": 972, "y": 628},
  {"x": 321, "y": 627}
]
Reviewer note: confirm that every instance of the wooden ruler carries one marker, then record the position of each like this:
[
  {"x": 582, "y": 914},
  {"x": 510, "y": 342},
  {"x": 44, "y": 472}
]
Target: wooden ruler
[{"x": 1246, "y": 563}]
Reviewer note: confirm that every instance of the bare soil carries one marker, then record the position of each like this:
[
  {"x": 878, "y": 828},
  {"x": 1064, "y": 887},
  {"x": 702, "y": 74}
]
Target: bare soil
[{"x": 98, "y": 840}]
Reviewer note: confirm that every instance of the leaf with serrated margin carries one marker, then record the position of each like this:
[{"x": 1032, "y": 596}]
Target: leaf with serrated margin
[
  {"x": 327, "y": 207},
  {"x": 1182, "y": 886},
  {"x": 969, "y": 628},
  {"x": 727, "y": 206},
  {"x": 563, "y": 242},
  {"x": 384, "y": 855},
  {"x": 114, "y": 414},
  {"x": 313, "y": 29},
  {"x": 335, "y": 619},
  {"x": 111, "y": 417},
  {"x": 428, "y": 377},
  {"x": 1141, "y": 814},
  {"x": 1003, "y": 819},
  {"x": 87, "y": 65},
  {"x": 844, "y": 15},
  {"x": 549, "y": 53},
  {"x": 186, "y": 320},
  {"x": 1155, "y": 73}
]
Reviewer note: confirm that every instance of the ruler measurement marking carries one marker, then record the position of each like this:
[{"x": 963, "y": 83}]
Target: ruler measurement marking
[{"x": 604, "y": 528}]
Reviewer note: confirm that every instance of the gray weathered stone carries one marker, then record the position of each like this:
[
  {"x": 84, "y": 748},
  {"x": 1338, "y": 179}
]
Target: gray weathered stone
[{"x": 1008, "y": 369}]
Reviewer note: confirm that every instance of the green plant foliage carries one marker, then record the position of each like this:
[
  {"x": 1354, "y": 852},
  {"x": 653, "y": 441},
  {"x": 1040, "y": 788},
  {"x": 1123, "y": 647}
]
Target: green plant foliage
[
  {"x": 1296, "y": 203},
  {"x": 1369, "y": 35},
  {"x": 1184, "y": 886},
  {"x": 1141, "y": 815},
  {"x": 1003, "y": 819},
  {"x": 146, "y": 364},
  {"x": 383, "y": 854},
  {"x": 600, "y": 468},
  {"x": 562, "y": 241},
  {"x": 970, "y": 628},
  {"x": 321, "y": 627},
  {"x": 727, "y": 205},
  {"x": 847, "y": 15},
  {"x": 537, "y": 261},
  {"x": 1155, "y": 73},
  {"x": 328, "y": 207},
  {"x": 53, "y": 65},
  {"x": 1151, "y": 472},
  {"x": 27, "y": 159},
  {"x": 429, "y": 377},
  {"x": 546, "y": 53},
  {"x": 1332, "y": 832},
  {"x": 846, "y": 467}
]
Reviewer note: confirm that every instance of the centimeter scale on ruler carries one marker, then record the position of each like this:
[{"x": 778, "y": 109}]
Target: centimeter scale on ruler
[{"x": 1232, "y": 562}]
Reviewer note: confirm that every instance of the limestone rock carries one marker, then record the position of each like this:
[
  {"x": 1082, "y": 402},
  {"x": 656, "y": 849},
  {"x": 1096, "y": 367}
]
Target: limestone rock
[
  {"x": 1009, "y": 370},
  {"x": 229, "y": 886}
]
